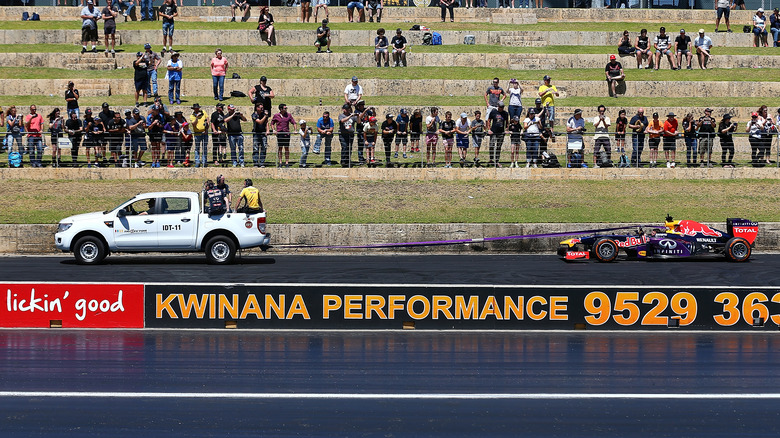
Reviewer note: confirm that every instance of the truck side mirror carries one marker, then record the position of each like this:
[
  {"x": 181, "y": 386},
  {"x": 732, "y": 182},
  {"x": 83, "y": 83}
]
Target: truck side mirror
[{"x": 121, "y": 213}]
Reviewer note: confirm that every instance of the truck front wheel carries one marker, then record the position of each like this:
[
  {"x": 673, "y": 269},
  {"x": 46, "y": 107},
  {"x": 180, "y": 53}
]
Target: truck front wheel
[
  {"x": 89, "y": 250},
  {"x": 220, "y": 250}
]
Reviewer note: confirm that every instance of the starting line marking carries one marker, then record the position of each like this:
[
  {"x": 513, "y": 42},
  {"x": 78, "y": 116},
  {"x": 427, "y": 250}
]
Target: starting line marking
[{"x": 356, "y": 396}]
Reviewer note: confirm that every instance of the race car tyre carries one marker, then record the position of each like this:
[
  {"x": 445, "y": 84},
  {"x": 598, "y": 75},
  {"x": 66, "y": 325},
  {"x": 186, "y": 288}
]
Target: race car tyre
[
  {"x": 605, "y": 250},
  {"x": 220, "y": 250},
  {"x": 89, "y": 250},
  {"x": 738, "y": 249}
]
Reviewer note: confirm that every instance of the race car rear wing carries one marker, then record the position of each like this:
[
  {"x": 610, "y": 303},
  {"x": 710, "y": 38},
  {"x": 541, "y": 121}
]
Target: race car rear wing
[{"x": 744, "y": 228}]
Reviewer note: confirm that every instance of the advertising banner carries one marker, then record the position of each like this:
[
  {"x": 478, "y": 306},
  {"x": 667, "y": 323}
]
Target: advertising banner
[
  {"x": 461, "y": 307},
  {"x": 72, "y": 305}
]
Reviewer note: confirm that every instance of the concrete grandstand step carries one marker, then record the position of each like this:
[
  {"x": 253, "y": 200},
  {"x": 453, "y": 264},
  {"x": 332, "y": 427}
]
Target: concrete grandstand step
[
  {"x": 532, "y": 62},
  {"x": 91, "y": 61},
  {"x": 522, "y": 40}
]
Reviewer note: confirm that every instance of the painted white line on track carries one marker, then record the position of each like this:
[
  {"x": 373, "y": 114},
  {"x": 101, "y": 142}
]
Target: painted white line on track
[{"x": 396, "y": 396}]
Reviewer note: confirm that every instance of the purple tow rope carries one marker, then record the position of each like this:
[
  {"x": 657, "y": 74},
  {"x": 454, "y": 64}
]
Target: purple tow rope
[{"x": 462, "y": 241}]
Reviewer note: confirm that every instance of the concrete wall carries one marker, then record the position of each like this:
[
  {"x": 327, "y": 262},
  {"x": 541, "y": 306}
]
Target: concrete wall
[{"x": 38, "y": 239}]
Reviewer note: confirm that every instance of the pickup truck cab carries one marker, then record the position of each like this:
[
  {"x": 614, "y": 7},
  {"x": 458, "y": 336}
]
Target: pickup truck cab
[{"x": 161, "y": 222}]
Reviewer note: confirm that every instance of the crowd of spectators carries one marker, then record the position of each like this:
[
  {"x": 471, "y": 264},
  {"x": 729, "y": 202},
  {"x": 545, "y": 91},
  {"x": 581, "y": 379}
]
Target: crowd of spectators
[{"x": 677, "y": 52}]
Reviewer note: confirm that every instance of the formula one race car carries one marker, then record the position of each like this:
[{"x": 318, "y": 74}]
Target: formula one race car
[{"x": 679, "y": 239}]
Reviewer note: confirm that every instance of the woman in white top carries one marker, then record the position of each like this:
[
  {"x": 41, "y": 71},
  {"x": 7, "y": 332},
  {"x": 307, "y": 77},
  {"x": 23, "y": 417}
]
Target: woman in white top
[
  {"x": 533, "y": 128},
  {"x": 759, "y": 28},
  {"x": 515, "y": 103}
]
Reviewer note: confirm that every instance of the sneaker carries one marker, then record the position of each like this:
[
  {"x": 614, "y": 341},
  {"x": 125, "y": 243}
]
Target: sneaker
[
  {"x": 404, "y": 155},
  {"x": 729, "y": 31},
  {"x": 395, "y": 155},
  {"x": 170, "y": 165},
  {"x": 136, "y": 165},
  {"x": 233, "y": 20},
  {"x": 83, "y": 50},
  {"x": 370, "y": 19},
  {"x": 668, "y": 165},
  {"x": 318, "y": 51},
  {"x": 178, "y": 102},
  {"x": 689, "y": 68},
  {"x": 387, "y": 65},
  {"x": 113, "y": 52},
  {"x": 328, "y": 51},
  {"x": 106, "y": 51},
  {"x": 674, "y": 164}
]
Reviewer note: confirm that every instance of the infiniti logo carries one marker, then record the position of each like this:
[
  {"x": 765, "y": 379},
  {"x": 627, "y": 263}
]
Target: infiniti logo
[{"x": 668, "y": 244}]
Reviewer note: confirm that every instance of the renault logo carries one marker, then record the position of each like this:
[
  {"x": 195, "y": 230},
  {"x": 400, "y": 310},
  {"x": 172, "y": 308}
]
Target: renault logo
[{"x": 668, "y": 244}]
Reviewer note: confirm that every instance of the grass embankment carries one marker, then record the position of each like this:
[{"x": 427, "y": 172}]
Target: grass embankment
[{"x": 326, "y": 201}]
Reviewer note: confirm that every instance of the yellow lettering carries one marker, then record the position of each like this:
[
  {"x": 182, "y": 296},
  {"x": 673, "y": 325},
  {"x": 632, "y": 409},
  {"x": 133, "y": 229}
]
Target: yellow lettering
[
  {"x": 442, "y": 304},
  {"x": 230, "y": 306},
  {"x": 559, "y": 304},
  {"x": 394, "y": 305},
  {"x": 165, "y": 305},
  {"x": 463, "y": 311},
  {"x": 329, "y": 304},
  {"x": 298, "y": 307},
  {"x": 270, "y": 305},
  {"x": 212, "y": 307},
  {"x": 426, "y": 307},
  {"x": 490, "y": 308},
  {"x": 515, "y": 308},
  {"x": 353, "y": 303},
  {"x": 251, "y": 306},
  {"x": 530, "y": 308},
  {"x": 374, "y": 304},
  {"x": 193, "y": 303}
]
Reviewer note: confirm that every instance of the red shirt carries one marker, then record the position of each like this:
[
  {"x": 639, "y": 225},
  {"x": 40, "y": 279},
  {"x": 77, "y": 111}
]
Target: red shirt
[
  {"x": 36, "y": 123},
  {"x": 670, "y": 128}
]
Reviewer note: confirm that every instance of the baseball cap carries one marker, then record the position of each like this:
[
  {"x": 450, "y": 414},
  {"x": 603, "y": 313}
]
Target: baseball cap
[
  {"x": 701, "y": 30},
  {"x": 302, "y": 122},
  {"x": 403, "y": 111},
  {"x": 178, "y": 113},
  {"x": 663, "y": 29},
  {"x": 682, "y": 30},
  {"x": 89, "y": 111},
  {"x": 398, "y": 30},
  {"x": 513, "y": 81},
  {"x": 727, "y": 116},
  {"x": 372, "y": 119},
  {"x": 531, "y": 111},
  {"x": 538, "y": 100},
  {"x": 195, "y": 106},
  {"x": 147, "y": 46},
  {"x": 546, "y": 77},
  {"x": 500, "y": 104},
  {"x": 105, "y": 105},
  {"x": 612, "y": 57},
  {"x": 174, "y": 54},
  {"x": 463, "y": 115},
  {"x": 220, "y": 105},
  {"x": 708, "y": 110},
  {"x": 671, "y": 114},
  {"x": 388, "y": 116},
  {"x": 90, "y": 2},
  {"x": 263, "y": 78},
  {"x": 516, "y": 118},
  {"x": 231, "y": 106},
  {"x": 760, "y": 10},
  {"x": 578, "y": 111},
  {"x": 136, "y": 111},
  {"x": 139, "y": 54},
  {"x": 655, "y": 114},
  {"x": 754, "y": 114},
  {"x": 360, "y": 102},
  {"x": 354, "y": 78},
  {"x": 346, "y": 106}
]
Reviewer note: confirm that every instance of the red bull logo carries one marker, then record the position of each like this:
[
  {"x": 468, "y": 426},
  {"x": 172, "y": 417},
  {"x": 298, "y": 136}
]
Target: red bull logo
[
  {"x": 693, "y": 228},
  {"x": 633, "y": 241}
]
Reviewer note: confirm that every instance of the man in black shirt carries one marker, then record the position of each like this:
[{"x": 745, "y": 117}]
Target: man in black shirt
[
  {"x": 235, "y": 137},
  {"x": 262, "y": 93},
  {"x": 706, "y": 127},
  {"x": 638, "y": 124},
  {"x": 682, "y": 47},
  {"x": 260, "y": 137},
  {"x": 614, "y": 73},
  {"x": 323, "y": 37},
  {"x": 399, "y": 49},
  {"x": 72, "y": 99},
  {"x": 168, "y": 11},
  {"x": 389, "y": 128},
  {"x": 116, "y": 136},
  {"x": 218, "y": 134},
  {"x": 496, "y": 126}
]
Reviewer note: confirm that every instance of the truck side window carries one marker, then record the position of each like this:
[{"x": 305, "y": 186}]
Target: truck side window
[
  {"x": 143, "y": 206},
  {"x": 175, "y": 205}
]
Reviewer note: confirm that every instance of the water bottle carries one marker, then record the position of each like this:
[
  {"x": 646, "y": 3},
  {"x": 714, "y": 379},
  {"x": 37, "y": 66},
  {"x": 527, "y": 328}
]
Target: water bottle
[{"x": 320, "y": 101}]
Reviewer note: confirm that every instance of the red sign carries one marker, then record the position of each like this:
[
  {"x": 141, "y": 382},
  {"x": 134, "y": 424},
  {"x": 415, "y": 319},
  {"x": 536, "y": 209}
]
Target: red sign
[{"x": 72, "y": 305}]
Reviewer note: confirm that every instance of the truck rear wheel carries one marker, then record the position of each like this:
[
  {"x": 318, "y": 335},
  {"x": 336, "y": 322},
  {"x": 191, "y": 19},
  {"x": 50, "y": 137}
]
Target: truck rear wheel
[
  {"x": 220, "y": 250},
  {"x": 738, "y": 249},
  {"x": 89, "y": 250}
]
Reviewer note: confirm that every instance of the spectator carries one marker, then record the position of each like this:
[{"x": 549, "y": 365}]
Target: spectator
[
  {"x": 739, "y": 4},
  {"x": 654, "y": 129},
  {"x": 496, "y": 128},
  {"x": 74, "y": 129},
  {"x": 774, "y": 26},
  {"x": 689, "y": 135},
  {"x": 168, "y": 12},
  {"x": 218, "y": 134},
  {"x": 126, "y": 7},
  {"x": 109, "y": 15},
  {"x": 375, "y": 8},
  {"x": 642, "y": 45},
  {"x": 115, "y": 130},
  {"x": 347, "y": 120},
  {"x": 259, "y": 135},
  {"x": 614, "y": 73},
  {"x": 128, "y": 143},
  {"x": 431, "y": 137},
  {"x": 243, "y": 6},
  {"x": 140, "y": 77},
  {"x": 72, "y": 100},
  {"x": 477, "y": 134},
  {"x": 353, "y": 93},
  {"x": 548, "y": 93},
  {"x": 219, "y": 66},
  {"x": 638, "y": 125},
  {"x": 325, "y": 127},
  {"x": 515, "y": 99},
  {"x": 323, "y": 37},
  {"x": 493, "y": 95},
  {"x": 265, "y": 24},
  {"x": 93, "y": 128},
  {"x": 147, "y": 11},
  {"x": 540, "y": 111},
  {"x": 262, "y": 94},
  {"x": 722, "y": 9},
  {"x": 363, "y": 115},
  {"x": 662, "y": 44},
  {"x": 155, "y": 123},
  {"x": 726, "y": 128},
  {"x": 160, "y": 106},
  {"x": 575, "y": 126},
  {"x": 185, "y": 139},
  {"x": 703, "y": 45},
  {"x": 624, "y": 46},
  {"x": 225, "y": 188},
  {"x": 447, "y": 131},
  {"x": 682, "y": 47},
  {"x": 351, "y": 6},
  {"x": 200, "y": 131},
  {"x": 305, "y": 11},
  {"x": 447, "y": 5},
  {"x": 280, "y": 125},
  {"x": 533, "y": 130},
  {"x": 14, "y": 126},
  {"x": 321, "y": 4},
  {"x": 706, "y": 128},
  {"x": 462, "y": 130},
  {"x": 515, "y": 136},
  {"x": 759, "y": 29},
  {"x": 402, "y": 136},
  {"x": 89, "y": 17},
  {"x": 33, "y": 125},
  {"x": 601, "y": 125},
  {"x": 399, "y": 49},
  {"x": 137, "y": 137},
  {"x": 380, "y": 48},
  {"x": 251, "y": 198},
  {"x": 152, "y": 61},
  {"x": 766, "y": 133},
  {"x": 670, "y": 140},
  {"x": 304, "y": 133},
  {"x": 235, "y": 135},
  {"x": 389, "y": 129},
  {"x": 754, "y": 128},
  {"x": 415, "y": 130},
  {"x": 174, "y": 77},
  {"x": 370, "y": 131},
  {"x": 620, "y": 134},
  {"x": 56, "y": 125}
]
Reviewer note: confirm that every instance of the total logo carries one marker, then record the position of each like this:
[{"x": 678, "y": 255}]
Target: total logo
[
  {"x": 573, "y": 255},
  {"x": 632, "y": 241},
  {"x": 742, "y": 230}
]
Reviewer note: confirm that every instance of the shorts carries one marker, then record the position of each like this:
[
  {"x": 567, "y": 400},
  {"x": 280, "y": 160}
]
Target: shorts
[
  {"x": 115, "y": 145},
  {"x": 167, "y": 29},
  {"x": 414, "y": 136},
  {"x": 620, "y": 136},
  {"x": 431, "y": 139},
  {"x": 448, "y": 142},
  {"x": 723, "y": 12},
  {"x": 462, "y": 141},
  {"x": 89, "y": 34},
  {"x": 138, "y": 143},
  {"x": 322, "y": 41},
  {"x": 355, "y": 4},
  {"x": 683, "y": 51},
  {"x": 109, "y": 30},
  {"x": 670, "y": 143},
  {"x": 322, "y": 3},
  {"x": 90, "y": 143},
  {"x": 477, "y": 139},
  {"x": 376, "y": 5},
  {"x": 383, "y": 50},
  {"x": 401, "y": 139},
  {"x": 664, "y": 51},
  {"x": 155, "y": 137},
  {"x": 171, "y": 146},
  {"x": 551, "y": 114},
  {"x": 653, "y": 143},
  {"x": 141, "y": 85},
  {"x": 599, "y": 142}
]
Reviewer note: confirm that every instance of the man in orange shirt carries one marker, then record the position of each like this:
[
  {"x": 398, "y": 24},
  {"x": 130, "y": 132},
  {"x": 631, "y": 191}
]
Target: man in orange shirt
[
  {"x": 654, "y": 130},
  {"x": 33, "y": 123},
  {"x": 670, "y": 139}
]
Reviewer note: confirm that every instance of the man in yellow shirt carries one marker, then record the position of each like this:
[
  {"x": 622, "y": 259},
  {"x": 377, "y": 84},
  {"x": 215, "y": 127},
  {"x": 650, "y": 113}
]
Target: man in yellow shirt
[
  {"x": 548, "y": 93},
  {"x": 251, "y": 198},
  {"x": 199, "y": 124}
]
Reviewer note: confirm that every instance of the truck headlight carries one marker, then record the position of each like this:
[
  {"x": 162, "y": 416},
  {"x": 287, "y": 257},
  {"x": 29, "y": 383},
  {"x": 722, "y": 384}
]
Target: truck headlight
[{"x": 63, "y": 226}]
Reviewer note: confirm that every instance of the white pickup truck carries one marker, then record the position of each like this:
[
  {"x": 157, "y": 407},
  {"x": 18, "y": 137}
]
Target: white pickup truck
[{"x": 161, "y": 222}]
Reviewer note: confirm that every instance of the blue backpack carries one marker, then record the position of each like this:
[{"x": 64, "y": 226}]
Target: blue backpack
[
  {"x": 14, "y": 159},
  {"x": 436, "y": 39}
]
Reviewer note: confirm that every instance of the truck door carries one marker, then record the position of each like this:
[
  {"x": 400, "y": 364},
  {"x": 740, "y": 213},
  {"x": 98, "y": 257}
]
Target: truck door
[
  {"x": 177, "y": 223},
  {"x": 137, "y": 228}
]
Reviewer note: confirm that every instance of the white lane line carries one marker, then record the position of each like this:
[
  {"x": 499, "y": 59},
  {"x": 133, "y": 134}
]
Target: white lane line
[{"x": 396, "y": 396}]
